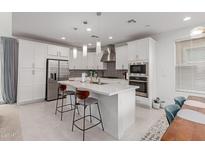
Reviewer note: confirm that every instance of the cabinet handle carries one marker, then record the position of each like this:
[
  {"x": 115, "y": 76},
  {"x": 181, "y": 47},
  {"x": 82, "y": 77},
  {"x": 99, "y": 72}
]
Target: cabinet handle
[
  {"x": 33, "y": 65},
  {"x": 137, "y": 56},
  {"x": 122, "y": 66},
  {"x": 59, "y": 53}
]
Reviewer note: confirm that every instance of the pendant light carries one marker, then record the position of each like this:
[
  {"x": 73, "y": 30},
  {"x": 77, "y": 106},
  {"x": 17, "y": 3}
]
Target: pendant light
[
  {"x": 75, "y": 53},
  {"x": 85, "y": 50},
  {"x": 98, "y": 43},
  {"x": 98, "y": 47}
]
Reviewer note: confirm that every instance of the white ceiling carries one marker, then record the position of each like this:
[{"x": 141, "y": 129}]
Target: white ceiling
[{"x": 53, "y": 26}]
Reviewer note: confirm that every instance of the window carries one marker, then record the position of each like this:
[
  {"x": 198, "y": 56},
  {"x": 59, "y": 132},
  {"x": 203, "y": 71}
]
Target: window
[
  {"x": 1, "y": 99},
  {"x": 190, "y": 65}
]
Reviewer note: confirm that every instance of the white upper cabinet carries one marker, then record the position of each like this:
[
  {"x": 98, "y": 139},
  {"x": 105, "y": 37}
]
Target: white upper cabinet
[
  {"x": 138, "y": 49},
  {"x": 132, "y": 54},
  {"x": 58, "y": 52},
  {"x": 84, "y": 61},
  {"x": 143, "y": 48},
  {"x": 53, "y": 50},
  {"x": 122, "y": 57},
  {"x": 40, "y": 55},
  {"x": 100, "y": 65},
  {"x": 64, "y": 52},
  {"x": 89, "y": 62},
  {"x": 72, "y": 61},
  {"x": 26, "y": 54}
]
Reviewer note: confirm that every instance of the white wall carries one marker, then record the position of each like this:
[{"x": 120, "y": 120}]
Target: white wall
[
  {"x": 5, "y": 24},
  {"x": 165, "y": 58}
]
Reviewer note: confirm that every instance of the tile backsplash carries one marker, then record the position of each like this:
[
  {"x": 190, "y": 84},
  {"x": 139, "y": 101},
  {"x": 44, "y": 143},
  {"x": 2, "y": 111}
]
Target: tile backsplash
[{"x": 109, "y": 72}]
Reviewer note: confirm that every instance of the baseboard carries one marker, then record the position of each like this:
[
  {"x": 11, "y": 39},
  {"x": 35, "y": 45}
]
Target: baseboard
[
  {"x": 144, "y": 104},
  {"x": 31, "y": 101}
]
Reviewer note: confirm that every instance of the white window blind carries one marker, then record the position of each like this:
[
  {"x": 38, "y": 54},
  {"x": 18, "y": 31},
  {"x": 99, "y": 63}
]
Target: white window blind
[
  {"x": 190, "y": 65},
  {"x": 1, "y": 99}
]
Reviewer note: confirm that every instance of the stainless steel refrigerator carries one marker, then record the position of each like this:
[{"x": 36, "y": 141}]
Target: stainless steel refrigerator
[{"x": 56, "y": 70}]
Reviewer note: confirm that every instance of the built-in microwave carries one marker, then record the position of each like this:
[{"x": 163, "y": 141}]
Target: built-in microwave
[{"x": 138, "y": 69}]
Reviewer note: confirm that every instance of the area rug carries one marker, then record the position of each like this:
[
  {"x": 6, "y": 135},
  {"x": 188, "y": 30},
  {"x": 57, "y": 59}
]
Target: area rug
[
  {"x": 10, "y": 128},
  {"x": 157, "y": 130}
]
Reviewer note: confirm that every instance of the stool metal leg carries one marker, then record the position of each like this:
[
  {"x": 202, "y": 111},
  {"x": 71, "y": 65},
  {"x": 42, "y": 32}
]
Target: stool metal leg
[
  {"x": 84, "y": 121},
  {"x": 90, "y": 114},
  {"x": 77, "y": 105},
  {"x": 56, "y": 106},
  {"x": 100, "y": 116},
  {"x": 71, "y": 106},
  {"x": 78, "y": 110},
  {"x": 73, "y": 117},
  {"x": 62, "y": 108}
]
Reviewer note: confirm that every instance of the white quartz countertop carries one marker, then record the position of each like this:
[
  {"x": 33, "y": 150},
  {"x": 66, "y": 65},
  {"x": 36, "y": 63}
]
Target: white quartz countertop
[{"x": 111, "y": 86}]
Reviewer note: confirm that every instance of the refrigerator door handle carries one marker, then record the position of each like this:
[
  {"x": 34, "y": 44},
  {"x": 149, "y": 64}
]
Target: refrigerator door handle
[
  {"x": 33, "y": 65},
  {"x": 33, "y": 72}
]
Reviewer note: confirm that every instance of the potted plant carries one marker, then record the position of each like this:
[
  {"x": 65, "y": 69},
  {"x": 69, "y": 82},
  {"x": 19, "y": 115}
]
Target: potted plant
[
  {"x": 156, "y": 103},
  {"x": 162, "y": 104}
]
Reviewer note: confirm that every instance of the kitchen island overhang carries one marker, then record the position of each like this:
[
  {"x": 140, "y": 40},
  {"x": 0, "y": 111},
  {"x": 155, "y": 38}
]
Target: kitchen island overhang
[{"x": 116, "y": 100}]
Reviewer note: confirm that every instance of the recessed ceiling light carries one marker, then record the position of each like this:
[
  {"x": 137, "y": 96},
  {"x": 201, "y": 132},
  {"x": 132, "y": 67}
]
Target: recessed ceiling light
[
  {"x": 110, "y": 37},
  {"x": 89, "y": 44},
  {"x": 187, "y": 18},
  {"x": 99, "y": 13},
  {"x": 88, "y": 29},
  {"x": 85, "y": 22},
  {"x": 94, "y": 36},
  {"x": 63, "y": 38}
]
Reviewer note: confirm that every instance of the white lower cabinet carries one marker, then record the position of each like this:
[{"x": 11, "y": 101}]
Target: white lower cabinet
[
  {"x": 38, "y": 91},
  {"x": 31, "y": 71},
  {"x": 25, "y": 93}
]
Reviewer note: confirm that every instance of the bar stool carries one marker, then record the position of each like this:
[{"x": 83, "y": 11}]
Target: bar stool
[
  {"x": 85, "y": 101},
  {"x": 180, "y": 100},
  {"x": 62, "y": 94},
  {"x": 171, "y": 111}
]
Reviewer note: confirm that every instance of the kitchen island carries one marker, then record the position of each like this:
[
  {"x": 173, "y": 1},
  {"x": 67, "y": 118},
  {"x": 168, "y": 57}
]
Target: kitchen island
[{"x": 116, "y": 100}]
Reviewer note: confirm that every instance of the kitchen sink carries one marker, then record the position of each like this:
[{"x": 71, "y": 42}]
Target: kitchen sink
[{"x": 101, "y": 83}]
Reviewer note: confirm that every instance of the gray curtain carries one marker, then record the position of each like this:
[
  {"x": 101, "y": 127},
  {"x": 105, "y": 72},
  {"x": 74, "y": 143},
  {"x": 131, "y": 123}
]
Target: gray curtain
[{"x": 9, "y": 69}]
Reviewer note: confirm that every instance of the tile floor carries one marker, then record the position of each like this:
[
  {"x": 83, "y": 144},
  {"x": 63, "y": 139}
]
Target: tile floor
[{"x": 38, "y": 122}]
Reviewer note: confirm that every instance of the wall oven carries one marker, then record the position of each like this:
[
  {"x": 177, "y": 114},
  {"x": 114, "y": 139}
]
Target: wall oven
[
  {"x": 138, "y": 69},
  {"x": 142, "y": 82}
]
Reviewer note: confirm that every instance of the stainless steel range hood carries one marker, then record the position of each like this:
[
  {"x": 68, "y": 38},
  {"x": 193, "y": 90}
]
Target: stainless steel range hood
[{"x": 109, "y": 54}]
